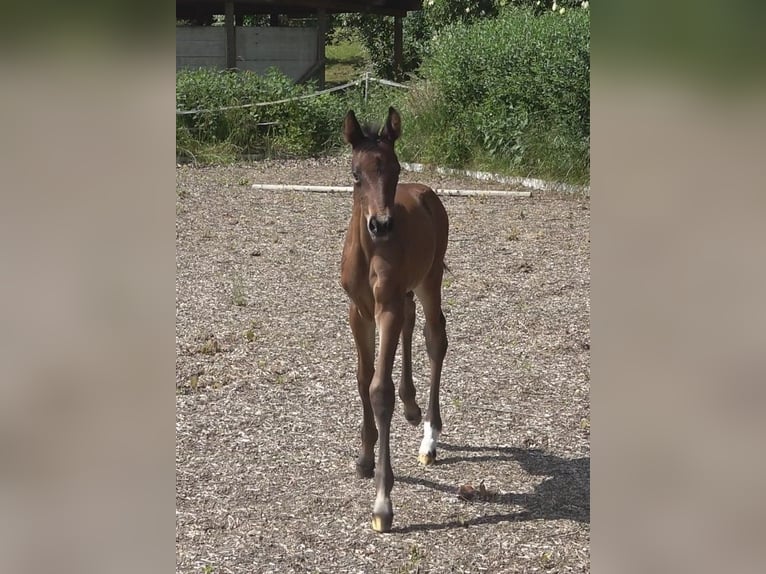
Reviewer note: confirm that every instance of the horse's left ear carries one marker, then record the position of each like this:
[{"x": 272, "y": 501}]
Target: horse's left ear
[{"x": 393, "y": 128}]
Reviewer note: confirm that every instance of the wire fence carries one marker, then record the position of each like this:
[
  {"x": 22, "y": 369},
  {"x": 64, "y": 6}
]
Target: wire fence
[{"x": 362, "y": 81}]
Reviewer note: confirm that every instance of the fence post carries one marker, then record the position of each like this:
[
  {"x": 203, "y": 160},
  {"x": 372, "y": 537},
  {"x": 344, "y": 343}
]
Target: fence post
[
  {"x": 231, "y": 35},
  {"x": 398, "y": 58},
  {"x": 321, "y": 42}
]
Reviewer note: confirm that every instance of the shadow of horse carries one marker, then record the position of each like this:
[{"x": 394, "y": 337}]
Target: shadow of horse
[{"x": 564, "y": 494}]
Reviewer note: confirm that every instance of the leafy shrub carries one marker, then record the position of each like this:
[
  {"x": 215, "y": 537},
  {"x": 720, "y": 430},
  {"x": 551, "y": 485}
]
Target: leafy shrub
[
  {"x": 511, "y": 92},
  {"x": 294, "y": 128},
  {"x": 441, "y": 13},
  {"x": 376, "y": 34}
]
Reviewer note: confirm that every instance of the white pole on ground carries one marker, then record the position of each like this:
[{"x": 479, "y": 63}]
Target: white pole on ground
[{"x": 348, "y": 189}]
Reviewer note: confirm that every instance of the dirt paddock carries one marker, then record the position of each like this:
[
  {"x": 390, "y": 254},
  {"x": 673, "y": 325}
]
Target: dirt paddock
[{"x": 268, "y": 414}]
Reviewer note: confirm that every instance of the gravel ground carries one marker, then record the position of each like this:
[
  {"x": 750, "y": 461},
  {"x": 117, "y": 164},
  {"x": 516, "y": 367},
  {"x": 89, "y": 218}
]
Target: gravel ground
[{"x": 267, "y": 411}]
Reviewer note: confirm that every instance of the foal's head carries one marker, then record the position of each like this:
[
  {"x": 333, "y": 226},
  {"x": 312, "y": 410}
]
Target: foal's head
[{"x": 375, "y": 170}]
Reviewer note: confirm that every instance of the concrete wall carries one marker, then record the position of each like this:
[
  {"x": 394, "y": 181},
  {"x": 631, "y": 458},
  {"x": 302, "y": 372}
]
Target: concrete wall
[{"x": 292, "y": 50}]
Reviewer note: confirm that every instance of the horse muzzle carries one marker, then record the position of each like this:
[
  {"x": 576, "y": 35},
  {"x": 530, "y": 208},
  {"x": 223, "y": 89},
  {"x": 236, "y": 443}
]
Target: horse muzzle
[{"x": 380, "y": 227}]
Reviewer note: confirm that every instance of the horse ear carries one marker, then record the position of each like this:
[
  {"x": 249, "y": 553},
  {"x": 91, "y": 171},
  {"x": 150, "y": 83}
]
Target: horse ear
[
  {"x": 352, "y": 131},
  {"x": 393, "y": 128}
]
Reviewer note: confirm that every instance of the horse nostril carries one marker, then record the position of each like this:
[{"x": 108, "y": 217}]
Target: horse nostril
[{"x": 380, "y": 226}]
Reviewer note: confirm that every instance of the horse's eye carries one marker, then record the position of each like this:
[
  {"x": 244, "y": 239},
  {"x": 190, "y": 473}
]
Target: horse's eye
[{"x": 355, "y": 175}]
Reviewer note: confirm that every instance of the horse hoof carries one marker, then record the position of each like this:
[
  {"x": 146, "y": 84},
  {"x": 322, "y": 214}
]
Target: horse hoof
[
  {"x": 427, "y": 459},
  {"x": 382, "y": 523},
  {"x": 365, "y": 470},
  {"x": 414, "y": 419}
]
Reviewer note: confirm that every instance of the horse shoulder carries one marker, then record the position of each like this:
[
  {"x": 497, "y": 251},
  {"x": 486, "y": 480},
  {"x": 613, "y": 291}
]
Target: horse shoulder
[{"x": 354, "y": 276}]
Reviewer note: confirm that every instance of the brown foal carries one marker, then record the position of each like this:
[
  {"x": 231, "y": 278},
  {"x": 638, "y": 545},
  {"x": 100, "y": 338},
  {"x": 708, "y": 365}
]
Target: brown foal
[{"x": 395, "y": 246}]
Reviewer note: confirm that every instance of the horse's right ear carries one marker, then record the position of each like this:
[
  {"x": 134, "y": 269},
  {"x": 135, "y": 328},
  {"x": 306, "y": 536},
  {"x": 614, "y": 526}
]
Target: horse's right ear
[{"x": 352, "y": 131}]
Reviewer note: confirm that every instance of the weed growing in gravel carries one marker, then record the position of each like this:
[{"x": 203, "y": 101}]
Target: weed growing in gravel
[
  {"x": 413, "y": 561},
  {"x": 238, "y": 296},
  {"x": 210, "y": 346},
  {"x": 250, "y": 333},
  {"x": 546, "y": 560}
]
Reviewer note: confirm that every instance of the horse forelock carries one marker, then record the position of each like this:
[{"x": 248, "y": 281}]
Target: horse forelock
[{"x": 372, "y": 135}]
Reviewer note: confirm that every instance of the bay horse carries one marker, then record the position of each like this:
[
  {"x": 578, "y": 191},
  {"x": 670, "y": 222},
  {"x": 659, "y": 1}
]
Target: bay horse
[{"x": 394, "y": 247}]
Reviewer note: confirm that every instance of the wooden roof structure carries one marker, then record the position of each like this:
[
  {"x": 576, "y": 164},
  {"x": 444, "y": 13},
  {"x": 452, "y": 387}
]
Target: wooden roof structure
[
  {"x": 195, "y": 8},
  {"x": 203, "y": 10}
]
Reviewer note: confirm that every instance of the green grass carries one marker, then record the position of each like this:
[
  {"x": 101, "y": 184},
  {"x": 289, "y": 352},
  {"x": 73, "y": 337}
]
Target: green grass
[{"x": 346, "y": 61}]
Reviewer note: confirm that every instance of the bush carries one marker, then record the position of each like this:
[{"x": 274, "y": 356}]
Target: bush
[
  {"x": 299, "y": 128},
  {"x": 376, "y": 33},
  {"x": 511, "y": 93},
  {"x": 295, "y": 128}
]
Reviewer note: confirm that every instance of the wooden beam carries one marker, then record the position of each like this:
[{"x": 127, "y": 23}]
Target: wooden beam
[
  {"x": 321, "y": 42},
  {"x": 398, "y": 58},
  {"x": 231, "y": 35}
]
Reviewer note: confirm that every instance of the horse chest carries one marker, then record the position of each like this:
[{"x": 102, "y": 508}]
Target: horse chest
[{"x": 355, "y": 280}]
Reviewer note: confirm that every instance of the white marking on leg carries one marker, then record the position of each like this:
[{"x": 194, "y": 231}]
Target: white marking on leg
[
  {"x": 380, "y": 503},
  {"x": 430, "y": 438}
]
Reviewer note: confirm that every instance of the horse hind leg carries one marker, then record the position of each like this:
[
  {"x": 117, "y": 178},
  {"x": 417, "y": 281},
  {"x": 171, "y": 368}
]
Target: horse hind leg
[
  {"x": 406, "y": 387},
  {"x": 436, "y": 347}
]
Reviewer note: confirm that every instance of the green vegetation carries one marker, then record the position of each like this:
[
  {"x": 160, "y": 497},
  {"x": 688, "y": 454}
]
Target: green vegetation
[
  {"x": 298, "y": 128},
  {"x": 510, "y": 93},
  {"x": 294, "y": 128},
  {"x": 498, "y": 87},
  {"x": 346, "y": 61}
]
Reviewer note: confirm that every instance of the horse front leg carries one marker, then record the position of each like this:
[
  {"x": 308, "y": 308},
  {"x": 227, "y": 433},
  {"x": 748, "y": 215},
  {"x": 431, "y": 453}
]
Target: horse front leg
[
  {"x": 389, "y": 317},
  {"x": 364, "y": 337}
]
